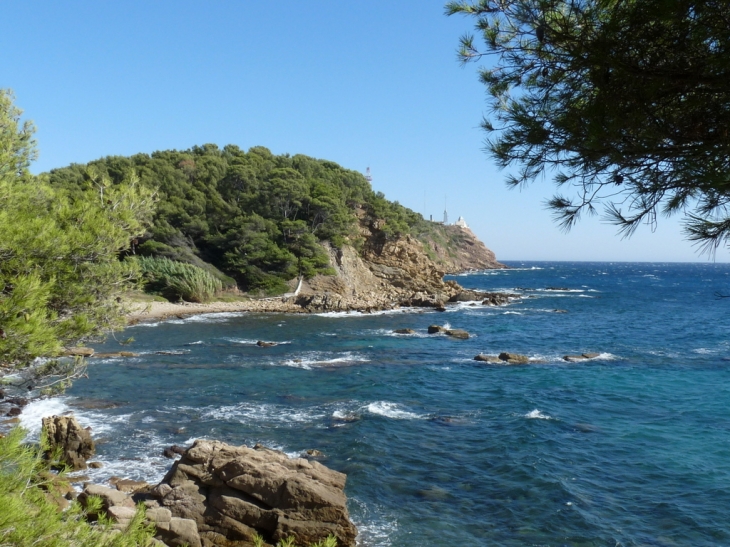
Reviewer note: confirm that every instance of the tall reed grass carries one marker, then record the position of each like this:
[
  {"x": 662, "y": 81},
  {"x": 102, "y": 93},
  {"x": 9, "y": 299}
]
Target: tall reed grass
[{"x": 178, "y": 280}]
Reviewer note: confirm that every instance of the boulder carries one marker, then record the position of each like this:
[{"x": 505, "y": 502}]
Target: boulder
[
  {"x": 404, "y": 331},
  {"x": 65, "y": 433},
  {"x": 109, "y": 497},
  {"x": 591, "y": 355},
  {"x": 435, "y": 329},
  {"x": 514, "y": 358},
  {"x": 458, "y": 333},
  {"x": 15, "y": 411},
  {"x": 491, "y": 359},
  {"x": 232, "y": 493},
  {"x": 574, "y": 358},
  {"x": 263, "y": 344},
  {"x": 180, "y": 532},
  {"x": 173, "y": 450}
]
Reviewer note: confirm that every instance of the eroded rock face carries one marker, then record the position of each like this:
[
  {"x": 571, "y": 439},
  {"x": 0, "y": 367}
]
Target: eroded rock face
[
  {"x": 75, "y": 442},
  {"x": 234, "y": 492}
]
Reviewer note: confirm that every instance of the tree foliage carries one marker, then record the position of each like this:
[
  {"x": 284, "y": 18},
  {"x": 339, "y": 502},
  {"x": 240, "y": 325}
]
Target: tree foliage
[
  {"x": 625, "y": 101},
  {"x": 60, "y": 273},
  {"x": 251, "y": 215}
]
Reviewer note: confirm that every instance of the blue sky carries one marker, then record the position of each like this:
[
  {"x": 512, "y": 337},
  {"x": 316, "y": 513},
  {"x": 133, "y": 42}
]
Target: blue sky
[{"x": 359, "y": 83}]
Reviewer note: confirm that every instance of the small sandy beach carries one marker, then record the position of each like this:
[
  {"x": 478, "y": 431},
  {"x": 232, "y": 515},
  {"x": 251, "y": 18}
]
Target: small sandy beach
[{"x": 155, "y": 311}]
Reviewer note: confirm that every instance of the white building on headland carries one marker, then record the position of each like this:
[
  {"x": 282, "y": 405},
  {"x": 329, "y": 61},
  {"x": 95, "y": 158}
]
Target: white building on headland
[{"x": 461, "y": 223}]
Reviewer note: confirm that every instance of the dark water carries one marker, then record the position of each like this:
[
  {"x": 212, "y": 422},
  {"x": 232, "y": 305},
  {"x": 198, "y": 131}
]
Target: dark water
[{"x": 630, "y": 448}]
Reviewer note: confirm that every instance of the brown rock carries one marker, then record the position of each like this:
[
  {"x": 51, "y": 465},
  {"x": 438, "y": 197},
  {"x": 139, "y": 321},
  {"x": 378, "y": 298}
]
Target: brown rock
[
  {"x": 173, "y": 450},
  {"x": 574, "y": 358},
  {"x": 75, "y": 442},
  {"x": 109, "y": 496},
  {"x": 436, "y": 329},
  {"x": 263, "y": 344},
  {"x": 591, "y": 355},
  {"x": 78, "y": 352},
  {"x": 458, "y": 333},
  {"x": 15, "y": 411},
  {"x": 129, "y": 486},
  {"x": 514, "y": 358},
  {"x": 235, "y": 492},
  {"x": 404, "y": 331},
  {"x": 181, "y": 532},
  {"x": 95, "y": 465},
  {"x": 492, "y": 359}
]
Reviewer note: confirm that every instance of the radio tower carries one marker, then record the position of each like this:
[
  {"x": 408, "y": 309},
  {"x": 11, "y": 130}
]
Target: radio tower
[{"x": 367, "y": 175}]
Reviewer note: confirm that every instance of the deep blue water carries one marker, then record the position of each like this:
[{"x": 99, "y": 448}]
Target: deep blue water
[{"x": 631, "y": 448}]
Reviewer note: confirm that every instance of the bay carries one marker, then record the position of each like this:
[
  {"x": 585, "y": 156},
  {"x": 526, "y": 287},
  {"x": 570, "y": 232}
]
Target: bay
[{"x": 629, "y": 448}]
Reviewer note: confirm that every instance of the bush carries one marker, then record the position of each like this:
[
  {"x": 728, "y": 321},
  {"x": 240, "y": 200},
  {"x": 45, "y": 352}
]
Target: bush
[
  {"x": 28, "y": 517},
  {"x": 177, "y": 280}
]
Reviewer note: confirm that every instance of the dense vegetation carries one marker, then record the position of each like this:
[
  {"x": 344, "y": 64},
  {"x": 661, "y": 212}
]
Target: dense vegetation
[
  {"x": 29, "y": 515},
  {"x": 60, "y": 273},
  {"x": 254, "y": 216}
]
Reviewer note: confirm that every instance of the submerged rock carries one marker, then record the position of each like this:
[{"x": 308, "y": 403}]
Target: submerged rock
[
  {"x": 404, "y": 331},
  {"x": 458, "y": 333},
  {"x": 491, "y": 359},
  {"x": 263, "y": 344},
  {"x": 514, "y": 358}
]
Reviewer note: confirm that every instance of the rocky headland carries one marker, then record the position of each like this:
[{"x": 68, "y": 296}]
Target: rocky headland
[{"x": 383, "y": 274}]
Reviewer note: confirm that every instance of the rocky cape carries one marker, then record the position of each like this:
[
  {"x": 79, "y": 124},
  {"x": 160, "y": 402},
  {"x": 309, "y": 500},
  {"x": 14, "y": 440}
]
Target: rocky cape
[{"x": 383, "y": 274}]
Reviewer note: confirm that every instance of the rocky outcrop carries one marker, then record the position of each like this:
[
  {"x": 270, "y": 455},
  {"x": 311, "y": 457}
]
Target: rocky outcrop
[
  {"x": 74, "y": 442},
  {"x": 503, "y": 358},
  {"x": 232, "y": 493},
  {"x": 458, "y": 249}
]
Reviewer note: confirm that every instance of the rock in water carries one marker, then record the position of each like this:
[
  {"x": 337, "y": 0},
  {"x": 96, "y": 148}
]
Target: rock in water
[
  {"x": 235, "y": 492},
  {"x": 74, "y": 441},
  {"x": 435, "y": 329},
  {"x": 514, "y": 358},
  {"x": 458, "y": 333}
]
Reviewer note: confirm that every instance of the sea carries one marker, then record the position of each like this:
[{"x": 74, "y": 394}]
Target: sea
[{"x": 629, "y": 448}]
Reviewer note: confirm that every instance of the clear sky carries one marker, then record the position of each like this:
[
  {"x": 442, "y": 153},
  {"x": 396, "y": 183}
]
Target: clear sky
[{"x": 359, "y": 83}]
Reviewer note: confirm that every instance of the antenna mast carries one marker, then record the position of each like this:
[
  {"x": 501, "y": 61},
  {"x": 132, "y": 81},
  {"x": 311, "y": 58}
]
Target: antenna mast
[{"x": 367, "y": 175}]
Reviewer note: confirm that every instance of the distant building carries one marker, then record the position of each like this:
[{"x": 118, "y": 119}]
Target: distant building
[{"x": 461, "y": 223}]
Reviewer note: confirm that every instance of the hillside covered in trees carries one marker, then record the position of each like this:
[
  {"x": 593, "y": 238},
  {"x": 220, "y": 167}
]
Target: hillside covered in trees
[{"x": 252, "y": 218}]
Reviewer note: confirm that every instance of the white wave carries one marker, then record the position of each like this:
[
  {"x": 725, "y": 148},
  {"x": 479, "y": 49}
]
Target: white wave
[
  {"x": 704, "y": 351},
  {"x": 197, "y": 343},
  {"x": 246, "y": 413},
  {"x": 253, "y": 342},
  {"x": 33, "y": 412},
  {"x": 219, "y": 317},
  {"x": 392, "y": 410},
  {"x": 537, "y": 415},
  {"x": 585, "y": 296},
  {"x": 511, "y": 313},
  {"x": 337, "y": 314},
  {"x": 319, "y": 359}
]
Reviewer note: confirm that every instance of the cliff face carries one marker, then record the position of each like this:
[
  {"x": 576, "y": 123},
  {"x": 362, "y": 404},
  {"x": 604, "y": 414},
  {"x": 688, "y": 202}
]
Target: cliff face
[
  {"x": 458, "y": 250},
  {"x": 391, "y": 272}
]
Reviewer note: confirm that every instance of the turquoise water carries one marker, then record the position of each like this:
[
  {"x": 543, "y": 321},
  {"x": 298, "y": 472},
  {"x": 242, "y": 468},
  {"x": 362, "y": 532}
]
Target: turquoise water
[{"x": 630, "y": 448}]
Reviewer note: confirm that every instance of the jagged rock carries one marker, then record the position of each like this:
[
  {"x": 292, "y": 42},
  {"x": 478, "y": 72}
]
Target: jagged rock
[
  {"x": 15, "y": 411},
  {"x": 514, "y": 358},
  {"x": 498, "y": 299},
  {"x": 404, "y": 331},
  {"x": 492, "y": 359},
  {"x": 436, "y": 329},
  {"x": 468, "y": 295},
  {"x": 263, "y": 344},
  {"x": 173, "y": 450},
  {"x": 17, "y": 401},
  {"x": 234, "y": 492},
  {"x": 75, "y": 442},
  {"x": 313, "y": 452},
  {"x": 458, "y": 333},
  {"x": 78, "y": 352}
]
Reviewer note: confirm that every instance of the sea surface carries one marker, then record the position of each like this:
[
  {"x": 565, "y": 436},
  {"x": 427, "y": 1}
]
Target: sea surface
[{"x": 629, "y": 448}]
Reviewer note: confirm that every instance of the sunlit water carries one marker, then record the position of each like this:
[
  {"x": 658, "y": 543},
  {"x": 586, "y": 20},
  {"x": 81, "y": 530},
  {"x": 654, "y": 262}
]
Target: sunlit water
[{"x": 630, "y": 448}]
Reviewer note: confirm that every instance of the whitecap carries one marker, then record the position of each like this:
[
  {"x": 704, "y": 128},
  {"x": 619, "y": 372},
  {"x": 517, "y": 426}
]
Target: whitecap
[
  {"x": 218, "y": 317},
  {"x": 511, "y": 313},
  {"x": 255, "y": 413},
  {"x": 537, "y": 415},
  {"x": 33, "y": 412},
  {"x": 704, "y": 351},
  {"x": 319, "y": 359},
  {"x": 392, "y": 410}
]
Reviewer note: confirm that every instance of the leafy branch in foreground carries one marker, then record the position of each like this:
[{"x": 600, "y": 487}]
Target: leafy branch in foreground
[
  {"x": 60, "y": 273},
  {"x": 627, "y": 102}
]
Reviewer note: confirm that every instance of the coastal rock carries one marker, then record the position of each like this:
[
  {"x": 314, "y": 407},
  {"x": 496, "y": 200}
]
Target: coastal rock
[
  {"x": 436, "y": 329},
  {"x": 574, "y": 358},
  {"x": 498, "y": 299},
  {"x": 172, "y": 451},
  {"x": 514, "y": 358},
  {"x": 458, "y": 333},
  {"x": 263, "y": 344},
  {"x": 591, "y": 355},
  {"x": 232, "y": 492},
  {"x": 78, "y": 352},
  {"x": 179, "y": 532},
  {"x": 74, "y": 441},
  {"x": 109, "y": 497},
  {"x": 491, "y": 359},
  {"x": 15, "y": 411}
]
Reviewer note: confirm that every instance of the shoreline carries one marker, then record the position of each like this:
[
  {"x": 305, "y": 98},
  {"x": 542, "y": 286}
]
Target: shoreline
[{"x": 143, "y": 312}]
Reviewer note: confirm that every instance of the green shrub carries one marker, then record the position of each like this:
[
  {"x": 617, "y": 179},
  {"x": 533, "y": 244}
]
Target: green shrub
[
  {"x": 178, "y": 280},
  {"x": 28, "y": 517}
]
